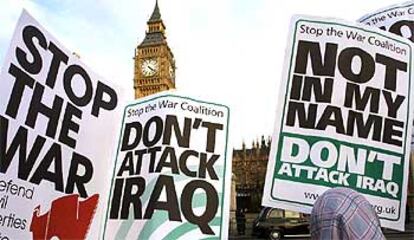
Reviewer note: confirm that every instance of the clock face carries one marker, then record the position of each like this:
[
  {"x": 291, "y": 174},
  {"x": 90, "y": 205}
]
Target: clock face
[{"x": 149, "y": 67}]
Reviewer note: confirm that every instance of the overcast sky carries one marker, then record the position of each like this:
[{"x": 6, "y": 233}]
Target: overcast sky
[{"x": 227, "y": 51}]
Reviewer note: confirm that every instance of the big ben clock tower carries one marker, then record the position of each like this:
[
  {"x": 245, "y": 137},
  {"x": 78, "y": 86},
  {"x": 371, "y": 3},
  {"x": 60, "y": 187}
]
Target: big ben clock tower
[{"x": 154, "y": 62}]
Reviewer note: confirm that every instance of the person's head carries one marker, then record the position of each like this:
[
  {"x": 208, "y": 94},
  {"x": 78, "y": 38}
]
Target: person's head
[{"x": 342, "y": 213}]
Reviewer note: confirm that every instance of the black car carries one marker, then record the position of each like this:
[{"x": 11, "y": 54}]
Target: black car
[{"x": 275, "y": 223}]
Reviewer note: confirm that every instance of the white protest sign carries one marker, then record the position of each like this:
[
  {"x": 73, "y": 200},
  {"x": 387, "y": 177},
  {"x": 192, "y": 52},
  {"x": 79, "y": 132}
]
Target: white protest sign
[
  {"x": 397, "y": 19},
  {"x": 58, "y": 124},
  {"x": 173, "y": 171},
  {"x": 345, "y": 118}
]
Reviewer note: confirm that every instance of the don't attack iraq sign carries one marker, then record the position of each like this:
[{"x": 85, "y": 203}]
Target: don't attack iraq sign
[
  {"x": 345, "y": 120},
  {"x": 58, "y": 123},
  {"x": 172, "y": 173}
]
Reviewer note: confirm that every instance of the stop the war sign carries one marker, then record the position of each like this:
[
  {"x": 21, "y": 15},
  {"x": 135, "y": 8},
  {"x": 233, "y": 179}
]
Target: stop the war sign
[
  {"x": 58, "y": 123},
  {"x": 345, "y": 119}
]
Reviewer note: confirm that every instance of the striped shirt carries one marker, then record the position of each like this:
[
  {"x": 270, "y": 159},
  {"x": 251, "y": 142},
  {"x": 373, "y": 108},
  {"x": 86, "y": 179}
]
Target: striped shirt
[{"x": 342, "y": 213}]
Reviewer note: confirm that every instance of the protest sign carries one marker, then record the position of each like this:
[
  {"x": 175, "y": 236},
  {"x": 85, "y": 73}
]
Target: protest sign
[
  {"x": 58, "y": 123},
  {"x": 172, "y": 175},
  {"x": 397, "y": 19},
  {"x": 345, "y": 118}
]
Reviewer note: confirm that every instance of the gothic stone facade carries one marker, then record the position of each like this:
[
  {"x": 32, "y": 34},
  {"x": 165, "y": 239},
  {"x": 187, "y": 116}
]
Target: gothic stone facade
[{"x": 249, "y": 170}]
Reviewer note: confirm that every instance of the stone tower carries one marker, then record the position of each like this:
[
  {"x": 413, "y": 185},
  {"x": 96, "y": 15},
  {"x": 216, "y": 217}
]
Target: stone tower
[{"x": 154, "y": 69}]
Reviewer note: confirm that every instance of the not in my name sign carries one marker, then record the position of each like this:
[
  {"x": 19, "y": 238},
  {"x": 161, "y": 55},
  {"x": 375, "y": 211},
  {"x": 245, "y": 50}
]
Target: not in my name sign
[
  {"x": 397, "y": 19},
  {"x": 345, "y": 119}
]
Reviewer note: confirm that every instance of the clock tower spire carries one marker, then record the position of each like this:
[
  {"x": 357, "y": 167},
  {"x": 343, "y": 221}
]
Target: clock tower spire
[{"x": 154, "y": 61}]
